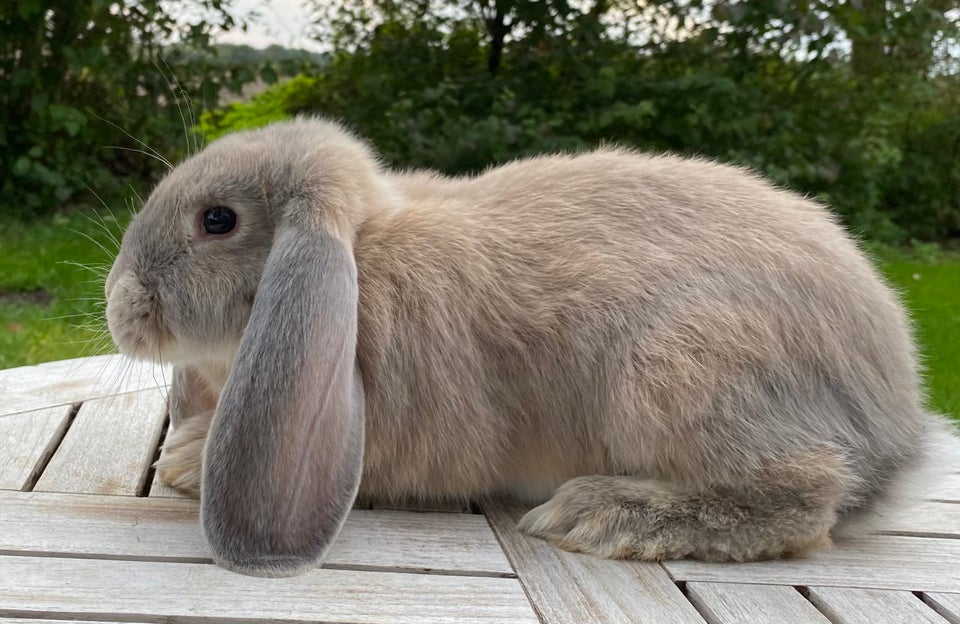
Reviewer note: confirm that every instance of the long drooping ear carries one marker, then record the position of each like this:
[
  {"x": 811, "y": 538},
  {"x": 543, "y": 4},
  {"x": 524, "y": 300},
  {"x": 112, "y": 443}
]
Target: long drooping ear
[{"x": 283, "y": 458}]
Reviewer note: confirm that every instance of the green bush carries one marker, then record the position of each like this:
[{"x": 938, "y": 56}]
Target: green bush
[
  {"x": 275, "y": 104},
  {"x": 881, "y": 150},
  {"x": 94, "y": 94}
]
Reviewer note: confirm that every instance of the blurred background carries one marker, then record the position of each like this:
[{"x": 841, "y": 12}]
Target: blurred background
[{"x": 853, "y": 102}]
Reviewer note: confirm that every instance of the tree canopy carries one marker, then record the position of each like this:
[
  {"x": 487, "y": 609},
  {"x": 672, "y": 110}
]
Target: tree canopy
[
  {"x": 88, "y": 86},
  {"x": 856, "y": 102}
]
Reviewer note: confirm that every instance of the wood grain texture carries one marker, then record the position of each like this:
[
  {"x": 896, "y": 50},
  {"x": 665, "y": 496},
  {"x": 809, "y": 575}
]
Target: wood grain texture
[
  {"x": 870, "y": 606},
  {"x": 168, "y": 528},
  {"x": 948, "y": 489},
  {"x": 86, "y": 588},
  {"x": 947, "y": 605},
  {"x": 570, "y": 588},
  {"x": 431, "y": 506},
  {"x": 53, "y": 384},
  {"x": 26, "y": 442},
  {"x": 732, "y": 603},
  {"x": 109, "y": 446},
  {"x": 4, "y": 620},
  {"x": 158, "y": 489},
  {"x": 927, "y": 519},
  {"x": 877, "y": 562}
]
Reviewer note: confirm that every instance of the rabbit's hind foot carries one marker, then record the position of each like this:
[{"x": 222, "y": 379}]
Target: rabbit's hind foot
[{"x": 788, "y": 510}]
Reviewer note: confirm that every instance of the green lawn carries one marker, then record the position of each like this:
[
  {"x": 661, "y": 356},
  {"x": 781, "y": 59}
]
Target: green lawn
[
  {"x": 929, "y": 282},
  {"x": 51, "y": 309},
  {"x": 51, "y": 286}
]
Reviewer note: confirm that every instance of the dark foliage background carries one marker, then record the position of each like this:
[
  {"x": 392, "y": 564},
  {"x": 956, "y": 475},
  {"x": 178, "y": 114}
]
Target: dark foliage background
[
  {"x": 856, "y": 102},
  {"x": 88, "y": 86}
]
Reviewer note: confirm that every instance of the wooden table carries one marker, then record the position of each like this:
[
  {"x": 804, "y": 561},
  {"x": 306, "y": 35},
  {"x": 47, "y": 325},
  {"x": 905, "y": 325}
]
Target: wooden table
[{"x": 87, "y": 533}]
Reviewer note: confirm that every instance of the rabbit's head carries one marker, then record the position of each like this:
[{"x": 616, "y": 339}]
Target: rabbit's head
[
  {"x": 182, "y": 287},
  {"x": 241, "y": 259}
]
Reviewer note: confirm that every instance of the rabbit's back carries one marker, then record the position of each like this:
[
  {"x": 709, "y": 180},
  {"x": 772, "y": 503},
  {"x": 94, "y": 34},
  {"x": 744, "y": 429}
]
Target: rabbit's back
[{"x": 619, "y": 312}]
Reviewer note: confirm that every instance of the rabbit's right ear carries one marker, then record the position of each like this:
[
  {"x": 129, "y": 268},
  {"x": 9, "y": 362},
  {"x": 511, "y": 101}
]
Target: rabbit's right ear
[{"x": 283, "y": 458}]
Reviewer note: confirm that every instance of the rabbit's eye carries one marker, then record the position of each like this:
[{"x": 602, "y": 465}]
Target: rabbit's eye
[{"x": 219, "y": 220}]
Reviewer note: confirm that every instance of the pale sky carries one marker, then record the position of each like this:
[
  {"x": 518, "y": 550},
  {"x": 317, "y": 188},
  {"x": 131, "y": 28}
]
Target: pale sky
[{"x": 284, "y": 22}]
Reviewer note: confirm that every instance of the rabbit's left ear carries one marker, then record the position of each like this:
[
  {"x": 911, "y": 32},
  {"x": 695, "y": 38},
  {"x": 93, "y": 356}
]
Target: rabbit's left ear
[{"x": 283, "y": 459}]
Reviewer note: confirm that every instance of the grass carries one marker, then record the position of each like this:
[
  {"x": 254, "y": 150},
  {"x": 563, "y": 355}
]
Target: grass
[
  {"x": 51, "y": 296},
  {"x": 929, "y": 283},
  {"x": 51, "y": 308}
]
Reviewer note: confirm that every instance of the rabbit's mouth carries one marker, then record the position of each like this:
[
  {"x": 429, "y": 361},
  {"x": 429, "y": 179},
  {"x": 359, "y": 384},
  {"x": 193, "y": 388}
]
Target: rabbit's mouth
[{"x": 135, "y": 321}]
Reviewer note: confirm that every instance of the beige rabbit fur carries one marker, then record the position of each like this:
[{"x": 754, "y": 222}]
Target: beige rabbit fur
[{"x": 674, "y": 357}]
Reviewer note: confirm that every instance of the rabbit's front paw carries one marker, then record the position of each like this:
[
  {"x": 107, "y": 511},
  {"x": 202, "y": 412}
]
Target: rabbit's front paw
[{"x": 181, "y": 463}]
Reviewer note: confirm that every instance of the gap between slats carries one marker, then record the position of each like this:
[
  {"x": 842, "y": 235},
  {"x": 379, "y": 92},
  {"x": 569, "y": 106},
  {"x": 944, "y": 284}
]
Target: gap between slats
[
  {"x": 147, "y": 484},
  {"x": 33, "y": 620},
  {"x": 571, "y": 588},
  {"x": 386, "y": 569},
  {"x": 30, "y": 617},
  {"x": 125, "y": 591},
  {"x": 108, "y": 447},
  {"x": 87, "y": 526},
  {"x": 733, "y": 603},
  {"x": 947, "y": 605},
  {"x": 52, "y": 448}
]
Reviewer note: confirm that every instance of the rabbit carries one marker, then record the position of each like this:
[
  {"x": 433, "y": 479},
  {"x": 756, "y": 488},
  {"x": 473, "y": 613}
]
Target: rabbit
[{"x": 666, "y": 357}]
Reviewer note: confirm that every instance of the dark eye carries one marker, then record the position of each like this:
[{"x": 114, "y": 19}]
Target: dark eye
[{"x": 219, "y": 220}]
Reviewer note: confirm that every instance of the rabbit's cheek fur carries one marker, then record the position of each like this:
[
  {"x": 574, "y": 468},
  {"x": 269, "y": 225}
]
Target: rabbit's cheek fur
[{"x": 210, "y": 340}]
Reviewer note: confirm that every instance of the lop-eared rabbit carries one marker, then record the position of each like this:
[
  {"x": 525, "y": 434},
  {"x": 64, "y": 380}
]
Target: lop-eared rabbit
[{"x": 671, "y": 357}]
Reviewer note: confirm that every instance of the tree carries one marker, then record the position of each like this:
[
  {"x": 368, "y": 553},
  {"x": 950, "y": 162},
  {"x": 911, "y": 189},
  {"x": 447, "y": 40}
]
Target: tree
[
  {"x": 65, "y": 65},
  {"x": 348, "y": 23},
  {"x": 842, "y": 100},
  {"x": 881, "y": 37}
]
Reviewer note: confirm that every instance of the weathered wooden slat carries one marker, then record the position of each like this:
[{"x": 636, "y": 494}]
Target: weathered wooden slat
[
  {"x": 947, "y": 605},
  {"x": 4, "y": 620},
  {"x": 870, "y": 606},
  {"x": 732, "y": 603},
  {"x": 158, "y": 489},
  {"x": 167, "y": 528},
  {"x": 948, "y": 489},
  {"x": 570, "y": 588},
  {"x": 431, "y": 506},
  {"x": 878, "y": 562},
  {"x": 109, "y": 446},
  {"x": 926, "y": 519},
  {"x": 88, "y": 588},
  {"x": 52, "y": 384},
  {"x": 26, "y": 442}
]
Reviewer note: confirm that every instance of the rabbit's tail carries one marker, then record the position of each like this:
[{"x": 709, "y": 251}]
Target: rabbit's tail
[{"x": 937, "y": 457}]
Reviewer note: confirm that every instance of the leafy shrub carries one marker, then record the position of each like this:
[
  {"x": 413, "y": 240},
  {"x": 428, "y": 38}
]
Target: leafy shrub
[
  {"x": 86, "y": 86},
  {"x": 880, "y": 149}
]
